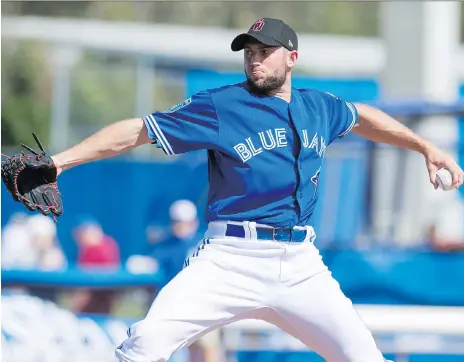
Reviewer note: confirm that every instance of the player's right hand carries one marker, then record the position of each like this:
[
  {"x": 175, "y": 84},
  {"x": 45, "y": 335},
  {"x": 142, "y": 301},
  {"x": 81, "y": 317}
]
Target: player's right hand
[{"x": 436, "y": 159}]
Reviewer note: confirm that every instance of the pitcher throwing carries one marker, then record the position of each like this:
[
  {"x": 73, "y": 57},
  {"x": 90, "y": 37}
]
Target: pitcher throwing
[{"x": 266, "y": 142}]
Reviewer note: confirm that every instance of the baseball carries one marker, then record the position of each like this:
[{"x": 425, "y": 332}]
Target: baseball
[{"x": 444, "y": 179}]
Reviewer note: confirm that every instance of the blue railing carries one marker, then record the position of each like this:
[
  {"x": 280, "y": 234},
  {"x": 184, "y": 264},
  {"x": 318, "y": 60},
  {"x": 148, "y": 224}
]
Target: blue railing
[{"x": 73, "y": 277}]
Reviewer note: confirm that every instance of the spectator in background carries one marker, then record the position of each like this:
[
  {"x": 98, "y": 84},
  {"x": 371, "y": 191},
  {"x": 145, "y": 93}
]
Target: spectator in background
[
  {"x": 446, "y": 230},
  {"x": 171, "y": 251},
  {"x": 30, "y": 242},
  {"x": 96, "y": 250},
  {"x": 17, "y": 244},
  {"x": 184, "y": 220},
  {"x": 48, "y": 252}
]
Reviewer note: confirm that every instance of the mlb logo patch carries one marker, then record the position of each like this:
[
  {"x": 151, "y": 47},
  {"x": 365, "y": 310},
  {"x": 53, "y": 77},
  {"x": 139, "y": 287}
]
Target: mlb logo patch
[{"x": 258, "y": 25}]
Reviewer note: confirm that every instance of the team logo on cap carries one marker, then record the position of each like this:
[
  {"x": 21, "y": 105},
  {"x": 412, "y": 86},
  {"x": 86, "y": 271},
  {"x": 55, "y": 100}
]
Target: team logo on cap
[{"x": 258, "y": 25}]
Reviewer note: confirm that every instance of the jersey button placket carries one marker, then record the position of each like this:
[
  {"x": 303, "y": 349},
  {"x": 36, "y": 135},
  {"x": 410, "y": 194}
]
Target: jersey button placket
[
  {"x": 300, "y": 188},
  {"x": 299, "y": 191}
]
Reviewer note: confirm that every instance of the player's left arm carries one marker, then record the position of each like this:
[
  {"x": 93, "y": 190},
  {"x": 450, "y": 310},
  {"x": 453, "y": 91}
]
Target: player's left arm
[{"x": 378, "y": 126}]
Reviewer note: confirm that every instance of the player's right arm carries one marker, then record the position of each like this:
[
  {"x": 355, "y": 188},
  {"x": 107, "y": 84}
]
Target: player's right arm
[{"x": 110, "y": 141}]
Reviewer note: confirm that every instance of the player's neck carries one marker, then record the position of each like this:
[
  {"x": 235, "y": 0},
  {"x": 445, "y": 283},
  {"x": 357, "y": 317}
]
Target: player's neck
[{"x": 284, "y": 92}]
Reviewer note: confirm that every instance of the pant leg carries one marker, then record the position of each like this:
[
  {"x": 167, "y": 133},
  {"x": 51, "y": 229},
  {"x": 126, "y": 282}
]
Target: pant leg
[
  {"x": 202, "y": 297},
  {"x": 312, "y": 307}
]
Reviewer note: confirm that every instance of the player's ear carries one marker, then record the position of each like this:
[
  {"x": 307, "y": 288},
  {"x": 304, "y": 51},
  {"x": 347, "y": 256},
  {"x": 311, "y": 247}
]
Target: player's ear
[{"x": 292, "y": 56}]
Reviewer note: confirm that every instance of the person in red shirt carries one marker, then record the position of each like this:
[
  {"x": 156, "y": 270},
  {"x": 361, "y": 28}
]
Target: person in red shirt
[{"x": 96, "y": 251}]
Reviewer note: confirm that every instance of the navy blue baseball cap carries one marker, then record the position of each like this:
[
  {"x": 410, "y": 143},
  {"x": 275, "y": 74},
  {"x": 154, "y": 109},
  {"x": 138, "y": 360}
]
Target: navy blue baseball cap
[{"x": 272, "y": 32}]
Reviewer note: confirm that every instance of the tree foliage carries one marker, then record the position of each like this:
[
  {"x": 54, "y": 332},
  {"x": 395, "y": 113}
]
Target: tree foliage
[{"x": 25, "y": 93}]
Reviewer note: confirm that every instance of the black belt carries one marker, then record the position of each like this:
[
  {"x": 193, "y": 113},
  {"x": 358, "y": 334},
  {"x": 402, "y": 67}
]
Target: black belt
[{"x": 274, "y": 234}]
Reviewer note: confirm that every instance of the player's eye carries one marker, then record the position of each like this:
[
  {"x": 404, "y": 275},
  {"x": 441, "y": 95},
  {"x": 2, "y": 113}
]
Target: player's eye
[{"x": 265, "y": 52}]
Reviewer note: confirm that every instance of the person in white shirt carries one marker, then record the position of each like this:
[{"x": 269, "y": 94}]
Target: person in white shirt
[{"x": 17, "y": 244}]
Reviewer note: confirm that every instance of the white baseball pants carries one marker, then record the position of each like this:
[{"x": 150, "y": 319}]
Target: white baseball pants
[{"x": 229, "y": 279}]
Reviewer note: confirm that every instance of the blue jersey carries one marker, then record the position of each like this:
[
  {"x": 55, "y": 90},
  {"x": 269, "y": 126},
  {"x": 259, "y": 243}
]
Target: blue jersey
[{"x": 265, "y": 155}]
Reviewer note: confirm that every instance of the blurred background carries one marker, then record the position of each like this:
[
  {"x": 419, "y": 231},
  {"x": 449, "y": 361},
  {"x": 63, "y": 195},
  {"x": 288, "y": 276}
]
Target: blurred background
[{"x": 71, "y": 289}]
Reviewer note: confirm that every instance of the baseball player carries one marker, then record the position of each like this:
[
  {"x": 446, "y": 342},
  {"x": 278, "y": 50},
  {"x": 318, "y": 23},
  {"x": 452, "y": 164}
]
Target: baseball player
[{"x": 266, "y": 142}]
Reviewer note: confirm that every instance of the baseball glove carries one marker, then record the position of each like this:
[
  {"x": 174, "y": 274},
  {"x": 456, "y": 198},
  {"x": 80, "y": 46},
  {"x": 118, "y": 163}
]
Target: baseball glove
[{"x": 31, "y": 179}]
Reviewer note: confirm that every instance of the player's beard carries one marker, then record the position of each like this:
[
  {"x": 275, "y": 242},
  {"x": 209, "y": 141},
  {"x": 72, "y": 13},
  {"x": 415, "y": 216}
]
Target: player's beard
[{"x": 271, "y": 83}]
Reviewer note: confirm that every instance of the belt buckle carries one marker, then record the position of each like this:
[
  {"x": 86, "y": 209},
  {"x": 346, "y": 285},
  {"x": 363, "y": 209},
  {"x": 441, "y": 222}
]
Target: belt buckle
[{"x": 277, "y": 229}]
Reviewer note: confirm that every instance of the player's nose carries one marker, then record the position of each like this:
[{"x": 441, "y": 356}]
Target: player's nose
[{"x": 256, "y": 66}]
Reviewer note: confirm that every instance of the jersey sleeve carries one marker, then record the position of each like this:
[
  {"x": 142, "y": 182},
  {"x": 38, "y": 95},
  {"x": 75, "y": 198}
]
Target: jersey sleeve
[
  {"x": 188, "y": 126},
  {"x": 343, "y": 116}
]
